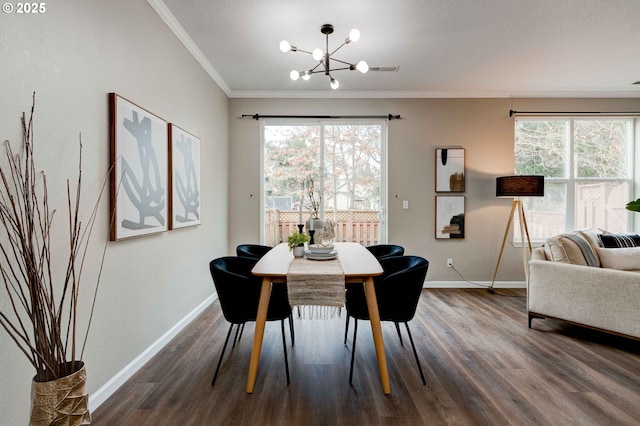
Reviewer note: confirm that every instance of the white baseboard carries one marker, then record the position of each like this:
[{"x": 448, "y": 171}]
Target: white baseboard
[
  {"x": 101, "y": 395},
  {"x": 466, "y": 284}
]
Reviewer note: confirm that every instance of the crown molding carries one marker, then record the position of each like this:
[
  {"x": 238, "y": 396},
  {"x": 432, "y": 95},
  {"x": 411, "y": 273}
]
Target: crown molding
[
  {"x": 336, "y": 94},
  {"x": 173, "y": 24}
]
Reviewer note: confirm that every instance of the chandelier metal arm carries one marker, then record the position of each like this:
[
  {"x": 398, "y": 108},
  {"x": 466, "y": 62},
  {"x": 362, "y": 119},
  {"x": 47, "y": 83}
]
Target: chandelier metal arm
[
  {"x": 313, "y": 70},
  {"x": 336, "y": 49},
  {"x": 300, "y": 50},
  {"x": 331, "y": 70},
  {"x": 343, "y": 62}
]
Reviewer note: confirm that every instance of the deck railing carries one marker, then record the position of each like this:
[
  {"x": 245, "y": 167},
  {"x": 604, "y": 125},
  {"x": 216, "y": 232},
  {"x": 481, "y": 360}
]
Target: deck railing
[{"x": 359, "y": 226}]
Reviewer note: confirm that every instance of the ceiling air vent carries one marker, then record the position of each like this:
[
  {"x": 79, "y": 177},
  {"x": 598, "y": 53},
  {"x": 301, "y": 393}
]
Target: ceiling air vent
[{"x": 385, "y": 69}]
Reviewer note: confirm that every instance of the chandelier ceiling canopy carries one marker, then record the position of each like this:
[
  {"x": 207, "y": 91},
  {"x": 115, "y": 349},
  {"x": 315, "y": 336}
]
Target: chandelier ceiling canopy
[{"x": 324, "y": 58}]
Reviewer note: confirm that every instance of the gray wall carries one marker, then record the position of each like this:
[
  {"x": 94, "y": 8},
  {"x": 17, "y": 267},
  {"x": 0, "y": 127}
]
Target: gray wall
[
  {"x": 73, "y": 56},
  {"x": 481, "y": 126}
]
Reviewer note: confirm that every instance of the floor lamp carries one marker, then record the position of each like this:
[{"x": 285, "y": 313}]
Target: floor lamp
[{"x": 517, "y": 186}]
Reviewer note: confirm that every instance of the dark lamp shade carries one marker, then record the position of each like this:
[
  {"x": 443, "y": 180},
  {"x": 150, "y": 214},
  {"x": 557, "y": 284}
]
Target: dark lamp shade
[{"x": 520, "y": 186}]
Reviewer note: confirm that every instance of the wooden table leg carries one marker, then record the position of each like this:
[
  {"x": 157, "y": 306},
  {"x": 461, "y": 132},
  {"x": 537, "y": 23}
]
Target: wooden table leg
[
  {"x": 261, "y": 319},
  {"x": 376, "y": 330}
]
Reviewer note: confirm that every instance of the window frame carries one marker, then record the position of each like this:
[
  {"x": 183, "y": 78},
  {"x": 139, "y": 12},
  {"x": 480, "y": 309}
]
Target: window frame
[
  {"x": 570, "y": 181},
  {"x": 384, "y": 188}
]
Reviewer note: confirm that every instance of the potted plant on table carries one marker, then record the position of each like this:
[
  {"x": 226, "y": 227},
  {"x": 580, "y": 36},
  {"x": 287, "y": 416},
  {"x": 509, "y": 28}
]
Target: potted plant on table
[
  {"x": 296, "y": 241},
  {"x": 39, "y": 298}
]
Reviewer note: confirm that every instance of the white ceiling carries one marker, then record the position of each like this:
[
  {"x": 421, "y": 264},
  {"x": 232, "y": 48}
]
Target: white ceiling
[{"x": 444, "y": 48}]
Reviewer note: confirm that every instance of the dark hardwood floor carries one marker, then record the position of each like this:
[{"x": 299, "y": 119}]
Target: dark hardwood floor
[{"x": 482, "y": 364}]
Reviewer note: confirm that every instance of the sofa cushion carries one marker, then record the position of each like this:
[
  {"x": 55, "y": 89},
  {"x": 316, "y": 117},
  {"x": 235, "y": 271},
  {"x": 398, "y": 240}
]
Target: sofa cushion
[
  {"x": 609, "y": 240},
  {"x": 623, "y": 259},
  {"x": 571, "y": 248},
  {"x": 592, "y": 238}
]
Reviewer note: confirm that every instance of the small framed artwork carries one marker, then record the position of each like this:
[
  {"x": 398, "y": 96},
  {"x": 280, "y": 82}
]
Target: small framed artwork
[
  {"x": 184, "y": 175},
  {"x": 450, "y": 216},
  {"x": 139, "y": 177},
  {"x": 450, "y": 170}
]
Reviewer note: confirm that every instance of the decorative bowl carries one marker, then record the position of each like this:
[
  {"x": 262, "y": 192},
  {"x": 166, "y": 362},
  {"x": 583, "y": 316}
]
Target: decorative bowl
[{"x": 317, "y": 248}]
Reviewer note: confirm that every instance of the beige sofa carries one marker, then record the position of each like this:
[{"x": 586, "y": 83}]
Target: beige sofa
[{"x": 604, "y": 296}]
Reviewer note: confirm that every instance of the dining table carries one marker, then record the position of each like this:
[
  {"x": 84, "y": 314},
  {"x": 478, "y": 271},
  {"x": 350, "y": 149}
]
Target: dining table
[{"x": 359, "y": 267}]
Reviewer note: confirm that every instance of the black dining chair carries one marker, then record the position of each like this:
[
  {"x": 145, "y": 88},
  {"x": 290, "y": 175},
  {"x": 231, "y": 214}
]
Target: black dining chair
[
  {"x": 398, "y": 292},
  {"x": 255, "y": 251},
  {"x": 380, "y": 251},
  {"x": 239, "y": 294}
]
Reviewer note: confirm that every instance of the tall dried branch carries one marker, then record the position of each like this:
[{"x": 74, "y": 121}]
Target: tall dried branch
[{"x": 42, "y": 315}]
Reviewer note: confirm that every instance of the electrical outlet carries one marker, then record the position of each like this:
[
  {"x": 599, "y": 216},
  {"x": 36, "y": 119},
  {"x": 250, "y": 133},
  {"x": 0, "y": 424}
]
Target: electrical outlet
[{"x": 449, "y": 263}]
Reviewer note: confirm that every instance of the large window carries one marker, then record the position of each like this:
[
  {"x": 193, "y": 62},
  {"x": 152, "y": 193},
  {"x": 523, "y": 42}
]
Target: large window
[
  {"x": 345, "y": 164},
  {"x": 588, "y": 169}
]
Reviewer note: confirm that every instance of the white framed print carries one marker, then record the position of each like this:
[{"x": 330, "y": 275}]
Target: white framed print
[
  {"x": 184, "y": 175},
  {"x": 139, "y": 174}
]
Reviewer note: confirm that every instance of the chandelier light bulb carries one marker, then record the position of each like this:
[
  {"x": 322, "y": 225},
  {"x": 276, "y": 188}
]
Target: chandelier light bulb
[
  {"x": 334, "y": 83},
  {"x": 362, "y": 66},
  {"x": 294, "y": 75},
  {"x": 354, "y": 35},
  {"x": 317, "y": 54},
  {"x": 306, "y": 76},
  {"x": 285, "y": 46}
]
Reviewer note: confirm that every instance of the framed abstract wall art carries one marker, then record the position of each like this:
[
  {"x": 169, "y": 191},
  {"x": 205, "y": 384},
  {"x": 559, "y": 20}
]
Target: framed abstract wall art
[
  {"x": 450, "y": 170},
  {"x": 450, "y": 216},
  {"x": 184, "y": 175},
  {"x": 139, "y": 177}
]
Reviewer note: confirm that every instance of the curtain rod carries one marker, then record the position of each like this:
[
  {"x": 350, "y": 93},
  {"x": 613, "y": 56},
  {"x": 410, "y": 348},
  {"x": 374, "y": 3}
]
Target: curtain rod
[
  {"x": 512, "y": 112},
  {"x": 258, "y": 116}
]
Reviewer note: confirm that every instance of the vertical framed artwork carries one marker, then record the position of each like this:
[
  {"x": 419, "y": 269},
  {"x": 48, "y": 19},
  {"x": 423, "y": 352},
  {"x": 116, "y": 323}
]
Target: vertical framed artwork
[
  {"x": 184, "y": 175},
  {"x": 450, "y": 216},
  {"x": 450, "y": 170},
  {"x": 139, "y": 177}
]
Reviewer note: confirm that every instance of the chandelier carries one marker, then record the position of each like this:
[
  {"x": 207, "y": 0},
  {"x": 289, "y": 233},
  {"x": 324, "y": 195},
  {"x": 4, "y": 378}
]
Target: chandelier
[{"x": 324, "y": 58}]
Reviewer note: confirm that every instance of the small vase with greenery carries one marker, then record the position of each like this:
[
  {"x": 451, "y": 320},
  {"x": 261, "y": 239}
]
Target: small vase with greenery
[{"x": 296, "y": 241}]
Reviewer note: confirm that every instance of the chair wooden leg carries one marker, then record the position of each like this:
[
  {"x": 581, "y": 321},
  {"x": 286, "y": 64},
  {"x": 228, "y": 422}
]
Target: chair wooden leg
[
  {"x": 346, "y": 329},
  {"x": 399, "y": 335},
  {"x": 222, "y": 354},
  {"x": 353, "y": 350},
  {"x": 284, "y": 348},
  {"x": 415, "y": 354}
]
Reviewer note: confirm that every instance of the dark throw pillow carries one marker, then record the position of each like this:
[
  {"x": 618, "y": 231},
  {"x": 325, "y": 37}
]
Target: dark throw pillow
[{"x": 619, "y": 240}]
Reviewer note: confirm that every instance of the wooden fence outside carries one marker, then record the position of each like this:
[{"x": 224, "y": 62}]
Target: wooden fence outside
[{"x": 359, "y": 226}]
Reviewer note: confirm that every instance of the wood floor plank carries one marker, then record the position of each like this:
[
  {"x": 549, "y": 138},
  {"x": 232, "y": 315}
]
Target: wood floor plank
[{"x": 483, "y": 366}]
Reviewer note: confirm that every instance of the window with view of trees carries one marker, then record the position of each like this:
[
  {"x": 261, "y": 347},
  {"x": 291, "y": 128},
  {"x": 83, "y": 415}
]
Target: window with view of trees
[
  {"x": 588, "y": 170},
  {"x": 337, "y": 165}
]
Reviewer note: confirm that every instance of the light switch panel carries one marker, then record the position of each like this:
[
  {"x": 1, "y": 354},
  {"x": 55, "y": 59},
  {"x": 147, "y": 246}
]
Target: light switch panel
[{"x": 405, "y": 204}]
